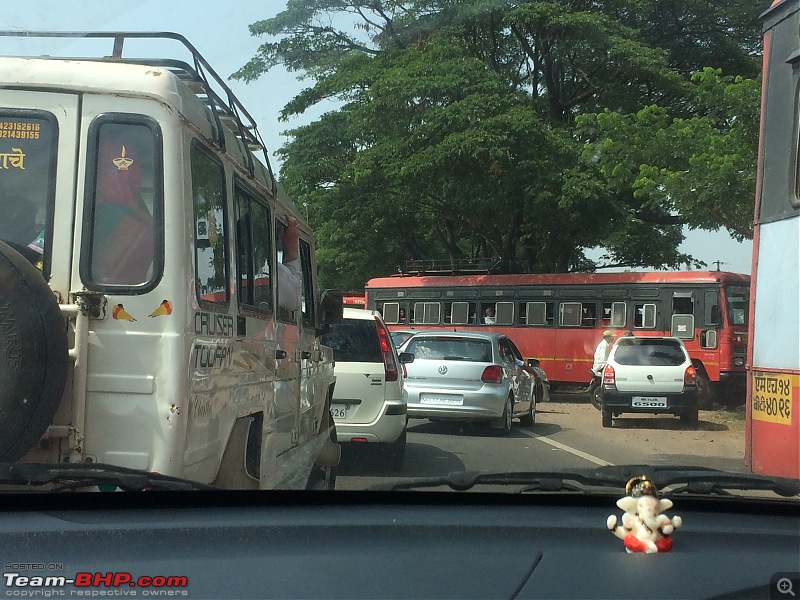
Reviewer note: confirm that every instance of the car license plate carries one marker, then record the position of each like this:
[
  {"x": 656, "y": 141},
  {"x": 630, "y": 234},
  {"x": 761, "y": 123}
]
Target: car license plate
[
  {"x": 340, "y": 411},
  {"x": 449, "y": 400},
  {"x": 649, "y": 402}
]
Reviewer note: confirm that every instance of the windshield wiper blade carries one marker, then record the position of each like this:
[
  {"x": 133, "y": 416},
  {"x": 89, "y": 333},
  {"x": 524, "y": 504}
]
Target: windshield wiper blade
[
  {"x": 81, "y": 475},
  {"x": 680, "y": 479}
]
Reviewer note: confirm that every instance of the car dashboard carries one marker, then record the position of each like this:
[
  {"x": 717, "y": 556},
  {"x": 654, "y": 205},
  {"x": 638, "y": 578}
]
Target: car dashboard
[{"x": 389, "y": 545}]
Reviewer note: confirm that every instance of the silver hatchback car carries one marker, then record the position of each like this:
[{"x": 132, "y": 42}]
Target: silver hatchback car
[{"x": 468, "y": 376}]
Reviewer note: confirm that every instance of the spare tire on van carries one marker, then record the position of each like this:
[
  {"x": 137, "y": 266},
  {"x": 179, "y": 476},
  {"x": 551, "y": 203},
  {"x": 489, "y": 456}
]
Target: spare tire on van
[{"x": 34, "y": 356}]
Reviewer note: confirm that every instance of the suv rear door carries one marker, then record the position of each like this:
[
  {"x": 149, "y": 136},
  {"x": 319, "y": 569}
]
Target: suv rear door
[{"x": 359, "y": 370}]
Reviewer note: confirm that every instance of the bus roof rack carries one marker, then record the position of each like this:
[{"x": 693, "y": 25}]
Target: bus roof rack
[
  {"x": 199, "y": 77},
  {"x": 446, "y": 266}
]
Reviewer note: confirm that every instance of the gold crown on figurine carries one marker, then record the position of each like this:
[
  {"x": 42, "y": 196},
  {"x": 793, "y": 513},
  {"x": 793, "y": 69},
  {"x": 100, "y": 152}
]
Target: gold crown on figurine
[
  {"x": 640, "y": 486},
  {"x": 123, "y": 162}
]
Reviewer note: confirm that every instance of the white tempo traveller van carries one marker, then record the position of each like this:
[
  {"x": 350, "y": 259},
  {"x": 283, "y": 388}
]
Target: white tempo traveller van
[{"x": 157, "y": 309}]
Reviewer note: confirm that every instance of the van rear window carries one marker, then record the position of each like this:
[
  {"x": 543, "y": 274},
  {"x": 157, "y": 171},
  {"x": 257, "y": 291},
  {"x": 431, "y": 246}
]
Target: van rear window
[
  {"x": 28, "y": 143},
  {"x": 354, "y": 340}
]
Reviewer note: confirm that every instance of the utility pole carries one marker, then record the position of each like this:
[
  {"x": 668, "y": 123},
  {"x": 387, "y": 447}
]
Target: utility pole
[{"x": 718, "y": 263}]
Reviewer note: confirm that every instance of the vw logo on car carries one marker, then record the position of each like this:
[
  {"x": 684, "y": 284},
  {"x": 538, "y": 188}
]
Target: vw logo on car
[{"x": 443, "y": 370}]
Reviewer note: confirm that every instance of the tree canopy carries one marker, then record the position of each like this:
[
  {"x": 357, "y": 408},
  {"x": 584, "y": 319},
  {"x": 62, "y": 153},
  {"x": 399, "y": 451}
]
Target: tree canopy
[{"x": 525, "y": 131}]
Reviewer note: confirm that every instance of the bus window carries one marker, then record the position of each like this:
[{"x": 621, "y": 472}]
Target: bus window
[
  {"x": 711, "y": 311},
  {"x": 504, "y": 313},
  {"x": 457, "y": 313},
  {"x": 644, "y": 316},
  {"x": 208, "y": 192},
  {"x": 538, "y": 313},
  {"x": 426, "y": 313},
  {"x": 613, "y": 314},
  {"x": 489, "y": 314},
  {"x": 123, "y": 229},
  {"x": 391, "y": 313},
  {"x": 577, "y": 314},
  {"x": 570, "y": 314},
  {"x": 682, "y": 303}
]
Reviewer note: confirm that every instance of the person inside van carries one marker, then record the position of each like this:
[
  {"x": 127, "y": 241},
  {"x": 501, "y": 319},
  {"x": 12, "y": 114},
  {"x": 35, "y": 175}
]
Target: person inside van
[
  {"x": 123, "y": 249},
  {"x": 289, "y": 273}
]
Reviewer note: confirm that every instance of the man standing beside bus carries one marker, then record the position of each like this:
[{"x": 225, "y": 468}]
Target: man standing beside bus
[{"x": 601, "y": 353}]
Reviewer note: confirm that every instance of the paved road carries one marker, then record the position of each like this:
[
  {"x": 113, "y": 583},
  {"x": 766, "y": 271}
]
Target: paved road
[{"x": 567, "y": 434}]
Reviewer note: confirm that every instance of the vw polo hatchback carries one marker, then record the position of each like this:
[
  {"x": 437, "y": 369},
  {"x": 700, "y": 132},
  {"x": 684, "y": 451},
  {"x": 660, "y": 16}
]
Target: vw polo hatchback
[
  {"x": 649, "y": 375},
  {"x": 464, "y": 376}
]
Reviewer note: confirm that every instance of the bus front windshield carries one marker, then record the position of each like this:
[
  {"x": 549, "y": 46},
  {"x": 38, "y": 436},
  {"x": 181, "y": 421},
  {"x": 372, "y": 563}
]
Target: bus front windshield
[{"x": 738, "y": 298}]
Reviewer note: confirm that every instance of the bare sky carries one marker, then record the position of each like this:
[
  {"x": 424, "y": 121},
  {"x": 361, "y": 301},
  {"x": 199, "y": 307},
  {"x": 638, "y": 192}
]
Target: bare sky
[{"x": 219, "y": 31}]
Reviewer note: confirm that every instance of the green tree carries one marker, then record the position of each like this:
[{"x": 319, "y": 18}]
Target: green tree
[{"x": 474, "y": 128}]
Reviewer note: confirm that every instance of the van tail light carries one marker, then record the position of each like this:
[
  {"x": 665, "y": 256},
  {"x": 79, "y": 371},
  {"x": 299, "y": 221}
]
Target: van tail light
[
  {"x": 609, "y": 376},
  {"x": 492, "y": 374},
  {"x": 690, "y": 377},
  {"x": 389, "y": 363}
]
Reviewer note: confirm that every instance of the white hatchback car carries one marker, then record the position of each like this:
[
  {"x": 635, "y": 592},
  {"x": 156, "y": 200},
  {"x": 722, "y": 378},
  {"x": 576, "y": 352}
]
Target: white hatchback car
[
  {"x": 368, "y": 404},
  {"x": 649, "y": 374}
]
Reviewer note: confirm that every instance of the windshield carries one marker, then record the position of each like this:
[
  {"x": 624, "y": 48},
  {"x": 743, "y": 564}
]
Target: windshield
[
  {"x": 738, "y": 305},
  {"x": 514, "y": 183}
]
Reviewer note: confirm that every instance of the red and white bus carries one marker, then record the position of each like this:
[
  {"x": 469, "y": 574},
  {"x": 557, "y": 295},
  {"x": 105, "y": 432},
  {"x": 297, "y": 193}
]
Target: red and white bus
[
  {"x": 772, "y": 440},
  {"x": 559, "y": 319},
  {"x": 354, "y": 299}
]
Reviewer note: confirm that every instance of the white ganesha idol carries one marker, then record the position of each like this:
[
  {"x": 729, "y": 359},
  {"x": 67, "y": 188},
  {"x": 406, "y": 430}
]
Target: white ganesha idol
[{"x": 644, "y": 527}]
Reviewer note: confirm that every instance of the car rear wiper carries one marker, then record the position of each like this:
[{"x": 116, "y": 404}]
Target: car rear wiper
[
  {"x": 683, "y": 479},
  {"x": 72, "y": 476}
]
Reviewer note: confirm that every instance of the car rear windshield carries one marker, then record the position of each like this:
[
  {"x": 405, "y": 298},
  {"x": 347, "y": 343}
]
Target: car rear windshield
[
  {"x": 650, "y": 352},
  {"x": 354, "y": 340},
  {"x": 448, "y": 348}
]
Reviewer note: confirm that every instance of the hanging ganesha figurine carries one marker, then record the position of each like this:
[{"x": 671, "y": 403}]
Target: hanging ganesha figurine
[{"x": 644, "y": 527}]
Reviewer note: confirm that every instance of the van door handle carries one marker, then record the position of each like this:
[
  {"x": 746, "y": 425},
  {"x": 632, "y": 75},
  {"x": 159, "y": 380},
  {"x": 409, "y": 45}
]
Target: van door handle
[{"x": 280, "y": 354}]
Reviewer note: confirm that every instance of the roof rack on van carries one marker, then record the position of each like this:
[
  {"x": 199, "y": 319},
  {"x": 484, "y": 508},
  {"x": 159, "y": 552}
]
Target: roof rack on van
[{"x": 224, "y": 105}]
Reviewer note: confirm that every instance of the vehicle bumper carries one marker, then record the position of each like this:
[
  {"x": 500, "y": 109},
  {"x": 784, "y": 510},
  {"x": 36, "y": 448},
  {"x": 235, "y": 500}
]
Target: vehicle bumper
[
  {"x": 677, "y": 403},
  {"x": 479, "y": 405},
  {"x": 385, "y": 429}
]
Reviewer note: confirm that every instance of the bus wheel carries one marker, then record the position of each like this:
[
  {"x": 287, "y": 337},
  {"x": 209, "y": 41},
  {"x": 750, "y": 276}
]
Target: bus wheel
[
  {"x": 33, "y": 371},
  {"x": 707, "y": 390}
]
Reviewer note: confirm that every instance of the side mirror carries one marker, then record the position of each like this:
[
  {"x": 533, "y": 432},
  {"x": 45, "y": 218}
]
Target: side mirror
[
  {"x": 331, "y": 307},
  {"x": 406, "y": 357},
  {"x": 533, "y": 362}
]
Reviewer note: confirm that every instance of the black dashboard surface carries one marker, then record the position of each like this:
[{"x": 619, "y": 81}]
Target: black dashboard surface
[{"x": 403, "y": 545}]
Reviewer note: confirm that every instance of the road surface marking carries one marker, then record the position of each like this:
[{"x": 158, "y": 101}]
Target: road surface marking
[{"x": 570, "y": 449}]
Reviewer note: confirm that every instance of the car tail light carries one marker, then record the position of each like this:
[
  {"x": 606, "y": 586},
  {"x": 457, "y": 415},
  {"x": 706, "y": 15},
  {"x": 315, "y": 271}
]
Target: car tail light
[
  {"x": 690, "y": 377},
  {"x": 492, "y": 374},
  {"x": 609, "y": 376},
  {"x": 389, "y": 363}
]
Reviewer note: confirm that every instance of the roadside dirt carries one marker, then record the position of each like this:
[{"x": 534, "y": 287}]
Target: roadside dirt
[{"x": 717, "y": 442}]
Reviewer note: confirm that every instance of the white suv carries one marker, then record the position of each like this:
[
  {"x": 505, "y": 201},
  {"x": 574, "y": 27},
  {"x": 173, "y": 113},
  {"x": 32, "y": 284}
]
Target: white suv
[
  {"x": 368, "y": 404},
  {"x": 648, "y": 374}
]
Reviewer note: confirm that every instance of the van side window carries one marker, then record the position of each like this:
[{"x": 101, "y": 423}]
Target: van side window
[
  {"x": 123, "y": 197},
  {"x": 208, "y": 193},
  {"x": 253, "y": 252},
  {"x": 289, "y": 278},
  {"x": 307, "y": 296}
]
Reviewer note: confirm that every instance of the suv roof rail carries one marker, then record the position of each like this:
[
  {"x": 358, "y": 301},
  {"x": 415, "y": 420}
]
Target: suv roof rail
[{"x": 199, "y": 77}]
